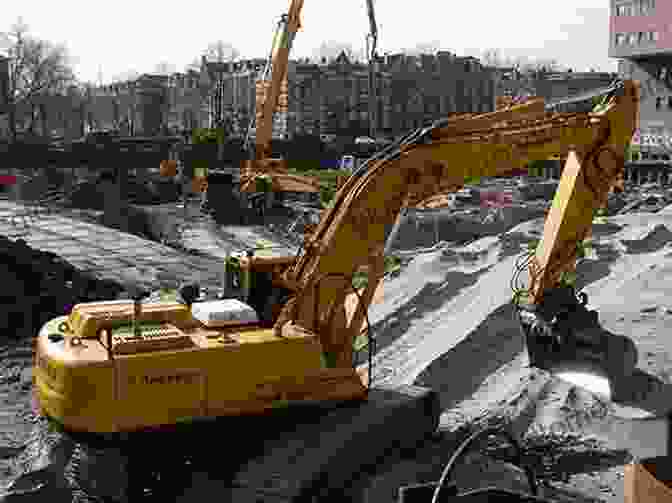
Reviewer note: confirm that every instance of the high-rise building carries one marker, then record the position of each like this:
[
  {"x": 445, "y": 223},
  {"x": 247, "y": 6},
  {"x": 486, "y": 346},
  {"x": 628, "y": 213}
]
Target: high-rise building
[{"x": 641, "y": 38}]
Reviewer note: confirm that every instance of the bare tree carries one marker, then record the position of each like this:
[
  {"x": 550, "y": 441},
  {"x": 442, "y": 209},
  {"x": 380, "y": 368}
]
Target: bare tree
[
  {"x": 36, "y": 68},
  {"x": 221, "y": 52}
]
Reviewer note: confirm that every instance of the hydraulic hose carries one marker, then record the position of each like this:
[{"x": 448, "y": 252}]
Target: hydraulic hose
[{"x": 462, "y": 449}]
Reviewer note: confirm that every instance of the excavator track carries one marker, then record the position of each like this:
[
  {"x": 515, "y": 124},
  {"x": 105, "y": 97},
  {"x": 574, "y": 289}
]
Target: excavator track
[
  {"x": 306, "y": 453},
  {"x": 324, "y": 456}
]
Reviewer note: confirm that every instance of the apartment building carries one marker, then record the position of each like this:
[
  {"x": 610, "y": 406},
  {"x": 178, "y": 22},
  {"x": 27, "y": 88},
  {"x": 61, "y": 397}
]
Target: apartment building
[
  {"x": 429, "y": 87},
  {"x": 642, "y": 41},
  {"x": 318, "y": 98},
  {"x": 329, "y": 97},
  {"x": 410, "y": 92},
  {"x": 230, "y": 92},
  {"x": 149, "y": 105}
]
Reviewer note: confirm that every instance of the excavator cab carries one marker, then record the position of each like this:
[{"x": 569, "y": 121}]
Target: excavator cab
[{"x": 255, "y": 280}]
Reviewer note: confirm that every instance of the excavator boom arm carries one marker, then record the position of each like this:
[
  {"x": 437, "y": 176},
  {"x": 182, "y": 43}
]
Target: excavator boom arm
[
  {"x": 267, "y": 103},
  {"x": 279, "y": 62},
  {"x": 352, "y": 233}
]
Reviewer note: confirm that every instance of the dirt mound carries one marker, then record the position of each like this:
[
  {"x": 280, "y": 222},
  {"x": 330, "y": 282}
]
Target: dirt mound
[
  {"x": 39, "y": 285},
  {"x": 89, "y": 194},
  {"x": 424, "y": 229},
  {"x": 542, "y": 190},
  {"x": 652, "y": 241}
]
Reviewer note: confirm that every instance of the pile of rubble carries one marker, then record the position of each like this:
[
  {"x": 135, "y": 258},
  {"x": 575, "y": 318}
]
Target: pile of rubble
[
  {"x": 40, "y": 285},
  {"x": 88, "y": 193}
]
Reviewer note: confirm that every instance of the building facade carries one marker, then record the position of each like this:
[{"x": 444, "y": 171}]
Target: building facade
[
  {"x": 551, "y": 86},
  {"x": 149, "y": 105},
  {"x": 230, "y": 92},
  {"x": 641, "y": 38},
  {"x": 332, "y": 97},
  {"x": 329, "y": 97}
]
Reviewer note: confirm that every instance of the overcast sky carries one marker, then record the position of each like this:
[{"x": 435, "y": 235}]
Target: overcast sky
[{"x": 135, "y": 35}]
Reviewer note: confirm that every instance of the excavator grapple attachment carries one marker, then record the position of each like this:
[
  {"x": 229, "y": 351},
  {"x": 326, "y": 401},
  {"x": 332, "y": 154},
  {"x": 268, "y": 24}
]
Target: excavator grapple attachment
[{"x": 562, "y": 335}]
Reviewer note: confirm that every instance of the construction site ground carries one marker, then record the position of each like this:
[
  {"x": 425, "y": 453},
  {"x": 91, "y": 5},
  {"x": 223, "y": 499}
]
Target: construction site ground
[{"x": 445, "y": 321}]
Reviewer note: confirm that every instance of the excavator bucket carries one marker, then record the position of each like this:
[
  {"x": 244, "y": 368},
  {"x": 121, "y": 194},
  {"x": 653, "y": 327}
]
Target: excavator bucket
[{"x": 565, "y": 338}]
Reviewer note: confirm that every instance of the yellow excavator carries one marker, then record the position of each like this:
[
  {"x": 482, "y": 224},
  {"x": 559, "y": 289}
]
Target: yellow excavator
[
  {"x": 285, "y": 336},
  {"x": 263, "y": 169}
]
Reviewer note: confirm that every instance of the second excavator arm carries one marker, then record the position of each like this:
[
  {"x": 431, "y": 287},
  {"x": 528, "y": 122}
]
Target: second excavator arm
[
  {"x": 271, "y": 88},
  {"x": 352, "y": 232}
]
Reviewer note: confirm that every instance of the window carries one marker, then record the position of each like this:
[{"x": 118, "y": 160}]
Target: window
[
  {"x": 659, "y": 103},
  {"x": 632, "y": 37},
  {"x": 646, "y": 7},
  {"x": 654, "y": 36},
  {"x": 620, "y": 39},
  {"x": 669, "y": 102},
  {"x": 641, "y": 37},
  {"x": 629, "y": 9}
]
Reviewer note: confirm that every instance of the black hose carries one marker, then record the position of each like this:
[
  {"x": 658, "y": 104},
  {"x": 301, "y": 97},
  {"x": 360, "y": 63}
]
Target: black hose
[{"x": 462, "y": 449}]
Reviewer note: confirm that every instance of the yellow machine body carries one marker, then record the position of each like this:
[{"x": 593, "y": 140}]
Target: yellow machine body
[{"x": 182, "y": 370}]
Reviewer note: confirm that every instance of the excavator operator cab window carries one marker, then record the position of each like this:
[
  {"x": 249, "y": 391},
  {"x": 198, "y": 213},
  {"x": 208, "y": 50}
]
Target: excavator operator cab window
[
  {"x": 253, "y": 287},
  {"x": 234, "y": 279}
]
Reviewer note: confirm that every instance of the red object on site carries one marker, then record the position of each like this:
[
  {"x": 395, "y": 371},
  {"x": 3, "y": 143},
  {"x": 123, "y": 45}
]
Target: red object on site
[{"x": 7, "y": 179}]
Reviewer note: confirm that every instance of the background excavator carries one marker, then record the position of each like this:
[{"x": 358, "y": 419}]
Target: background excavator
[
  {"x": 284, "y": 336},
  {"x": 271, "y": 88}
]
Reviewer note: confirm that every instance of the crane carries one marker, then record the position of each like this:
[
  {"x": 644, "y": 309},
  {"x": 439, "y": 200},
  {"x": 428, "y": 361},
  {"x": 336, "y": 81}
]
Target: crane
[
  {"x": 271, "y": 89},
  {"x": 372, "y": 54}
]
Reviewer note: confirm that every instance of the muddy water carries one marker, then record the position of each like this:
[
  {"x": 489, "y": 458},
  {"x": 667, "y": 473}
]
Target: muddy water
[{"x": 36, "y": 462}]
